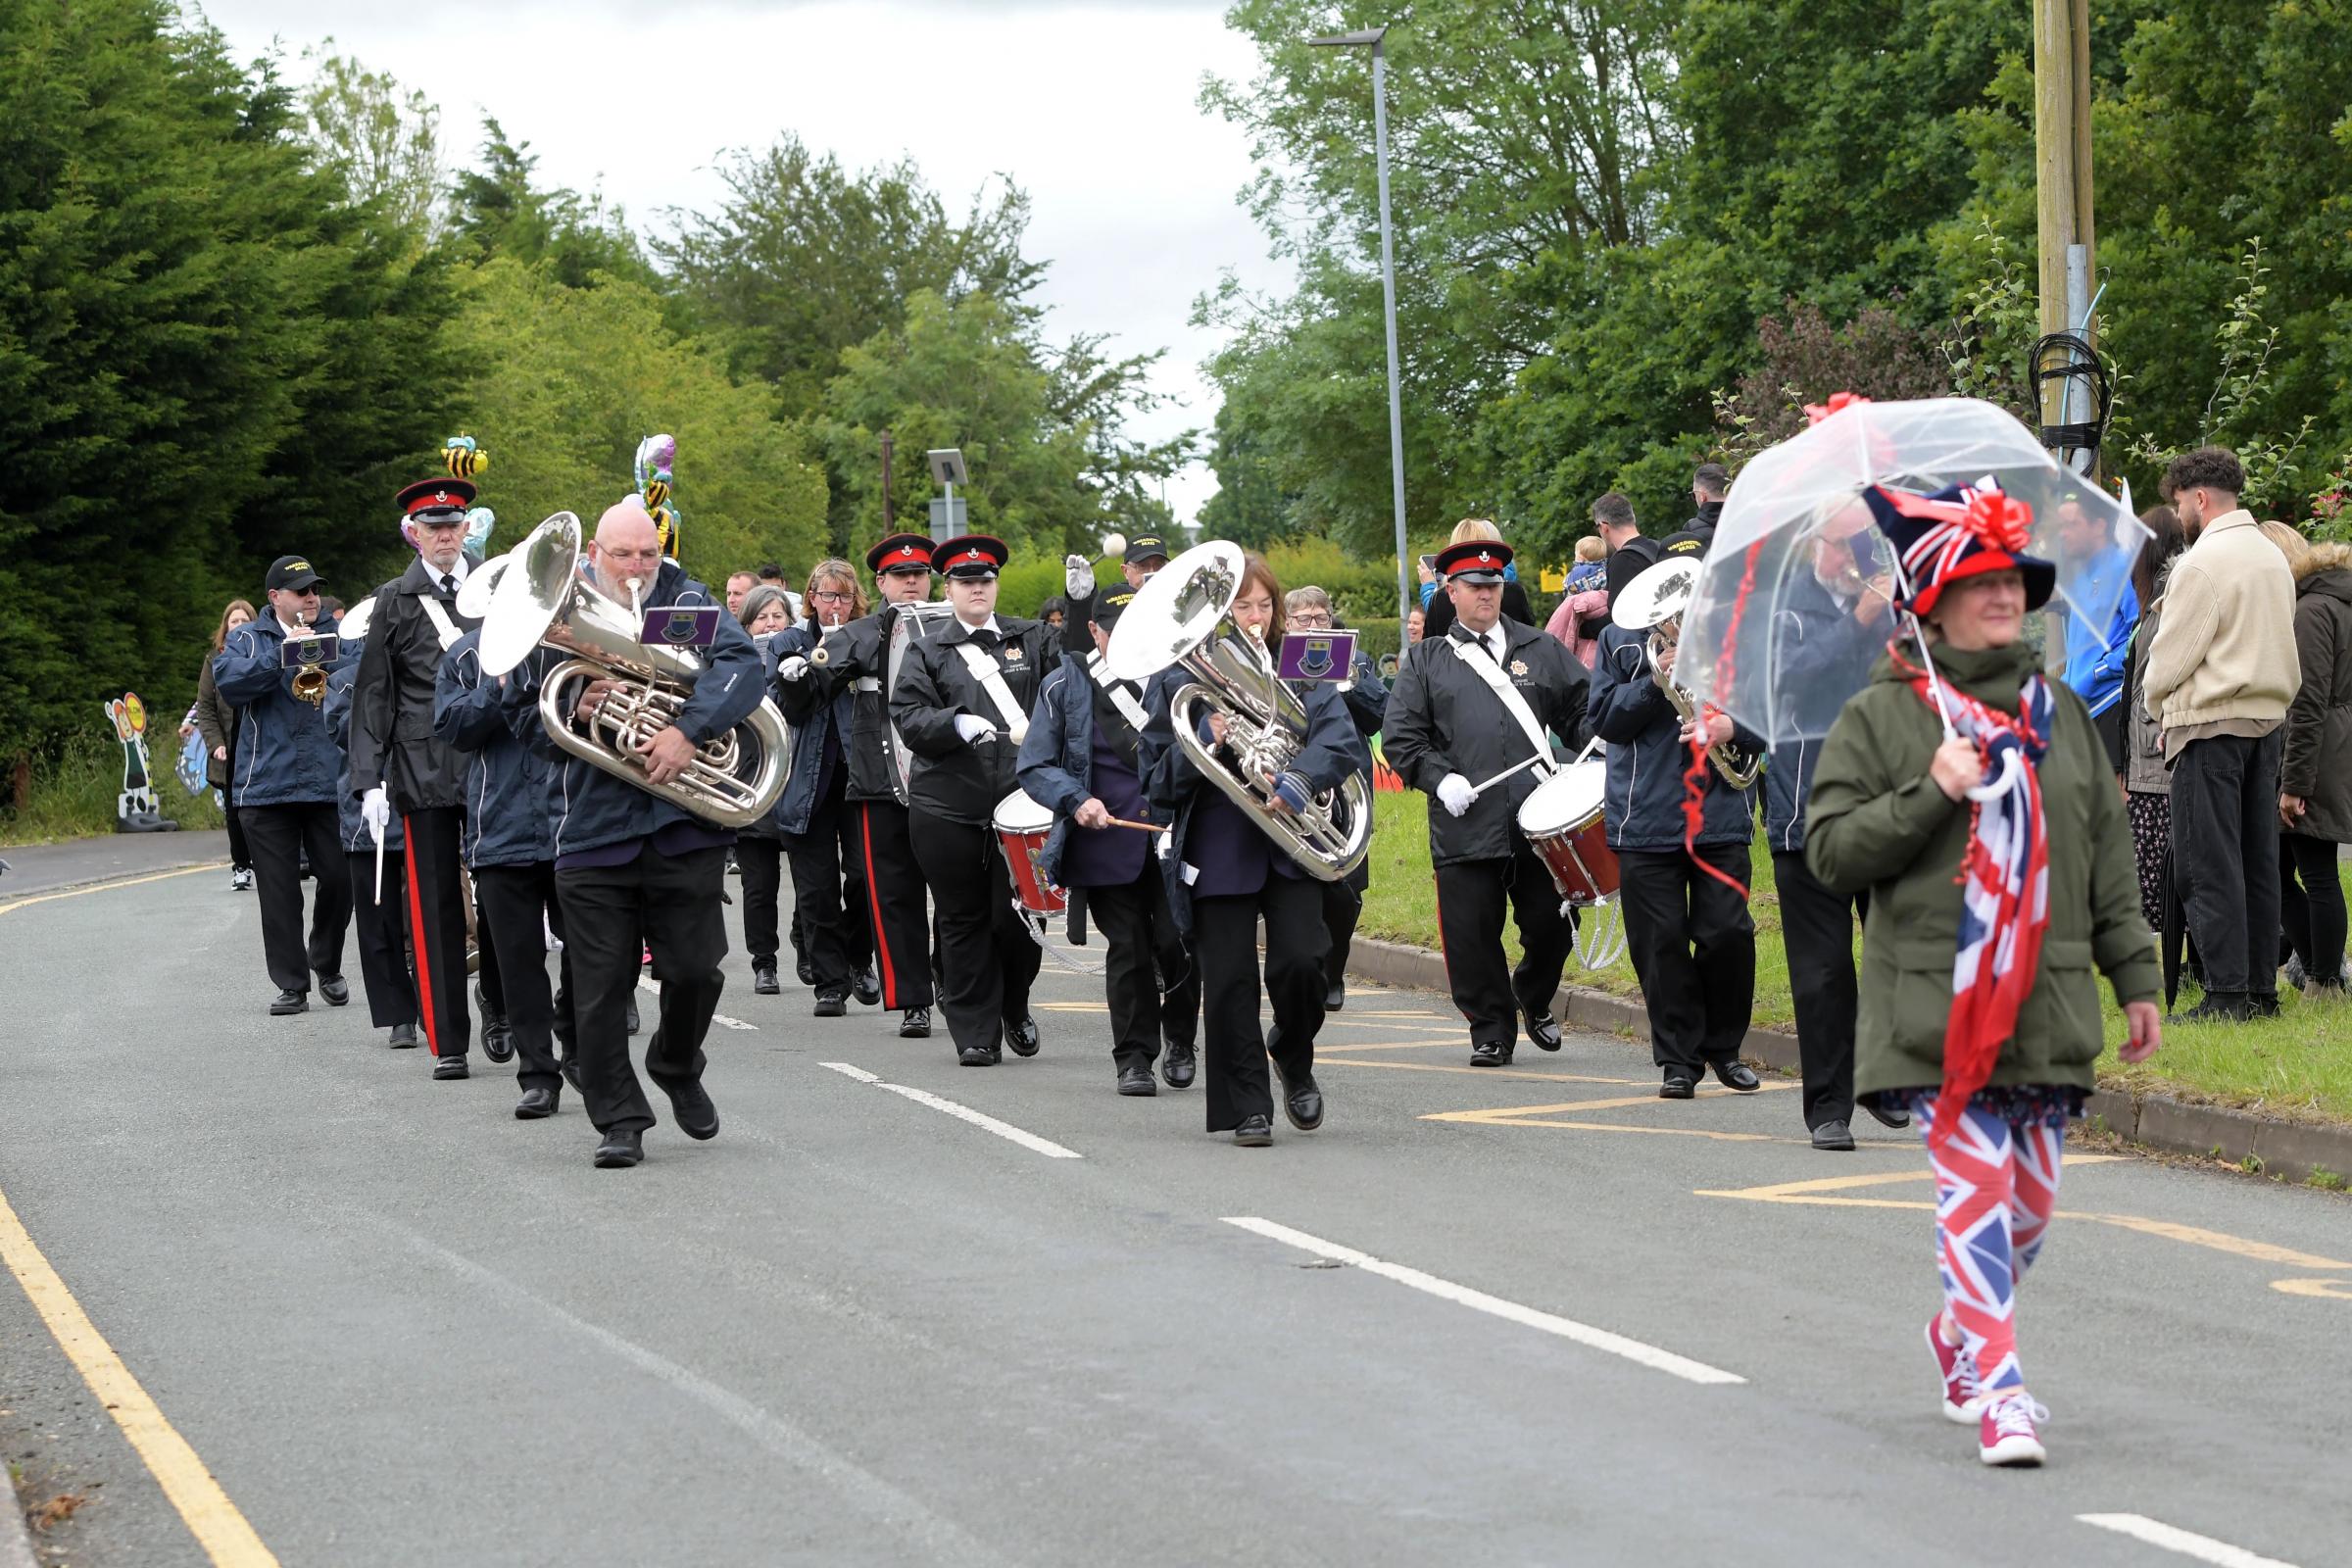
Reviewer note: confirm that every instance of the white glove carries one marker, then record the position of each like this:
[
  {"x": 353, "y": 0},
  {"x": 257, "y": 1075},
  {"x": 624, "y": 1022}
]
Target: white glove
[
  {"x": 1455, "y": 794},
  {"x": 974, "y": 729},
  {"x": 376, "y": 809},
  {"x": 1078, "y": 576},
  {"x": 793, "y": 668}
]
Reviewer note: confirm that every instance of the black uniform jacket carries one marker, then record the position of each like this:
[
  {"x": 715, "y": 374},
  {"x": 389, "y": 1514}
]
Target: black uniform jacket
[
  {"x": 392, "y": 739},
  {"x": 951, "y": 778},
  {"x": 1444, "y": 720},
  {"x": 858, "y": 661}
]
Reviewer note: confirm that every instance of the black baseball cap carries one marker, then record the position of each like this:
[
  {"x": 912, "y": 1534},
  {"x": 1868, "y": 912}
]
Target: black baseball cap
[
  {"x": 1146, "y": 547},
  {"x": 291, "y": 573},
  {"x": 1110, "y": 604}
]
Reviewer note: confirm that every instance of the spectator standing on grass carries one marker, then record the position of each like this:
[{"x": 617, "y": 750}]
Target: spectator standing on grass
[
  {"x": 2315, "y": 776},
  {"x": 2098, "y": 568},
  {"x": 1585, "y": 602},
  {"x": 217, "y": 722},
  {"x": 2220, "y": 672},
  {"x": 2148, "y": 780},
  {"x": 1440, "y": 607}
]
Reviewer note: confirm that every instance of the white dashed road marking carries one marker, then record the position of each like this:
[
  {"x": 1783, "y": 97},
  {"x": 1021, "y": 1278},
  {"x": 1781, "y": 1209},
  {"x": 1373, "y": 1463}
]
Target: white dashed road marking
[
  {"x": 921, "y": 1097},
  {"x": 2187, "y": 1542}
]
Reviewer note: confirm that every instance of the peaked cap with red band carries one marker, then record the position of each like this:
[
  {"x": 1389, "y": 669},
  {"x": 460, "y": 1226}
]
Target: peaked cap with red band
[
  {"x": 444, "y": 494},
  {"x": 969, "y": 556},
  {"x": 1473, "y": 560},
  {"x": 899, "y": 553},
  {"x": 1959, "y": 531}
]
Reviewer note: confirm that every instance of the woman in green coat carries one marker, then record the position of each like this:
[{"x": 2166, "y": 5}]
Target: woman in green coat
[{"x": 1998, "y": 857}]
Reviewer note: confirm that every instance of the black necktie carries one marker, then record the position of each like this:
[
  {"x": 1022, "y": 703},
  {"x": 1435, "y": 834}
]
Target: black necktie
[
  {"x": 985, "y": 638},
  {"x": 449, "y": 584}
]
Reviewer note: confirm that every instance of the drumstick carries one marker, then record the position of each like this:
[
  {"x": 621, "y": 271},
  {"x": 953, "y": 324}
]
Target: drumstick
[
  {"x": 1140, "y": 827},
  {"x": 1506, "y": 773}
]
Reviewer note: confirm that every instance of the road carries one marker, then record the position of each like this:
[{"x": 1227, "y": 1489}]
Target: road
[{"x": 397, "y": 1326}]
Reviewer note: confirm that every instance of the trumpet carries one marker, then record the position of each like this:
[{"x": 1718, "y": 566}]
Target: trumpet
[{"x": 1654, "y": 602}]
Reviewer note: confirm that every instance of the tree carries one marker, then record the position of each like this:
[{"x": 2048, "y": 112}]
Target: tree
[
  {"x": 498, "y": 212},
  {"x": 382, "y": 143}
]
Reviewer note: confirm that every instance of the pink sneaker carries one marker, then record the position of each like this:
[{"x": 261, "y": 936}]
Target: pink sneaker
[
  {"x": 2005, "y": 1430},
  {"x": 1962, "y": 1398}
]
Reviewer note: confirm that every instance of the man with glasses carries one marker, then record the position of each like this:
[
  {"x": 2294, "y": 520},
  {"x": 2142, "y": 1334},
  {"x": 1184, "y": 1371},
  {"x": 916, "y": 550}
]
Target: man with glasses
[{"x": 1367, "y": 697}]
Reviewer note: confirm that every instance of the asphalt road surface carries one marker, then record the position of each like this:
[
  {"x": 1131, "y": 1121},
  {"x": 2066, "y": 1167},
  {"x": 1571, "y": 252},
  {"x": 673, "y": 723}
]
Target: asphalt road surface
[{"x": 1523, "y": 1316}]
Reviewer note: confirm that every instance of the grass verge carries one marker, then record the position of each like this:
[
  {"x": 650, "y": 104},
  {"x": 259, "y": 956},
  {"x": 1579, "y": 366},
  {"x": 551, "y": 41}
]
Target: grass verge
[
  {"x": 73, "y": 794},
  {"x": 2298, "y": 1065}
]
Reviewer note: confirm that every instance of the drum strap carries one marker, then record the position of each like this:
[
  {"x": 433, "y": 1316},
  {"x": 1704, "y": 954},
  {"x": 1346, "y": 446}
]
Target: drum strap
[
  {"x": 1122, "y": 697},
  {"x": 1474, "y": 660},
  {"x": 443, "y": 628},
  {"x": 992, "y": 681}
]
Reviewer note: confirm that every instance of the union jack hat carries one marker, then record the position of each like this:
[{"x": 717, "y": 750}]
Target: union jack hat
[
  {"x": 1959, "y": 531},
  {"x": 1472, "y": 561},
  {"x": 970, "y": 555},
  {"x": 900, "y": 552},
  {"x": 423, "y": 501}
]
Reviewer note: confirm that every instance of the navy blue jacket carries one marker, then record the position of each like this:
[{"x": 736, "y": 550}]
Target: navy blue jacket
[
  {"x": 590, "y": 807},
  {"x": 506, "y": 783},
  {"x": 348, "y": 822},
  {"x": 284, "y": 753},
  {"x": 811, "y": 721},
  {"x": 1057, "y": 765},
  {"x": 1332, "y": 752},
  {"x": 1643, "y": 807},
  {"x": 1821, "y": 656}
]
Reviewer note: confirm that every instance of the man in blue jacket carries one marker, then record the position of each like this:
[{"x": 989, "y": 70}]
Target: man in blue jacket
[
  {"x": 2096, "y": 569},
  {"x": 283, "y": 786},
  {"x": 631, "y": 868}
]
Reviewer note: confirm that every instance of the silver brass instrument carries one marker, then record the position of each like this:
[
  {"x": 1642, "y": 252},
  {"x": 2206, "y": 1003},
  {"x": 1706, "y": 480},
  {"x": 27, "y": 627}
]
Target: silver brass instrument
[
  {"x": 310, "y": 681},
  {"x": 1178, "y": 617},
  {"x": 734, "y": 780},
  {"x": 1654, "y": 602}
]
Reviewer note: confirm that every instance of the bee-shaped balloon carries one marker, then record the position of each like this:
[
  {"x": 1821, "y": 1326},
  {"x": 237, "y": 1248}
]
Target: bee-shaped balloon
[
  {"x": 464, "y": 458},
  {"x": 657, "y": 455}
]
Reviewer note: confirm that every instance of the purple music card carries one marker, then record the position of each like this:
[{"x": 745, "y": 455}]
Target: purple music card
[
  {"x": 682, "y": 625},
  {"x": 1316, "y": 655}
]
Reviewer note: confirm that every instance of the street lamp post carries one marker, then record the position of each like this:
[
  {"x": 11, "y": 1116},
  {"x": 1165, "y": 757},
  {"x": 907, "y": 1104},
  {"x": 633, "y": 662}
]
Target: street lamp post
[{"x": 1371, "y": 36}]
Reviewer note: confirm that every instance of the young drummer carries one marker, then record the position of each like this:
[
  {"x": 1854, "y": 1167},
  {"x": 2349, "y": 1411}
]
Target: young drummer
[
  {"x": 962, "y": 704},
  {"x": 1080, "y": 763}
]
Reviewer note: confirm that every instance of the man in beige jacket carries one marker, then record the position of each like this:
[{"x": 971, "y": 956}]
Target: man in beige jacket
[{"x": 2220, "y": 676}]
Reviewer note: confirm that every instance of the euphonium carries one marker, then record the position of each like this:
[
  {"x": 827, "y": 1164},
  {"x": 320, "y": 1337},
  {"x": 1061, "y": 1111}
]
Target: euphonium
[
  {"x": 541, "y": 599},
  {"x": 1654, "y": 602},
  {"x": 1175, "y": 618}
]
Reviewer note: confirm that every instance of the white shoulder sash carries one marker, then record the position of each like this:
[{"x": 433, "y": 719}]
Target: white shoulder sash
[
  {"x": 992, "y": 681},
  {"x": 1474, "y": 660}
]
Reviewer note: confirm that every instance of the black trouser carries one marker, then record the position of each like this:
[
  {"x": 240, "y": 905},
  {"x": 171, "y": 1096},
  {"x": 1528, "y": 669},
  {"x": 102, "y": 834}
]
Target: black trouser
[
  {"x": 519, "y": 904},
  {"x": 240, "y": 857},
  {"x": 1343, "y": 907},
  {"x": 833, "y": 925},
  {"x": 487, "y": 978},
  {"x": 1233, "y": 1046},
  {"x": 381, "y": 930},
  {"x": 1695, "y": 951},
  {"x": 894, "y": 901},
  {"x": 986, "y": 956},
  {"x": 1147, "y": 977},
  {"x": 1817, "y": 931},
  {"x": 437, "y": 926},
  {"x": 1471, "y": 896},
  {"x": 279, "y": 836},
  {"x": 761, "y": 862},
  {"x": 2312, "y": 903},
  {"x": 2226, "y": 857},
  {"x": 611, "y": 912}
]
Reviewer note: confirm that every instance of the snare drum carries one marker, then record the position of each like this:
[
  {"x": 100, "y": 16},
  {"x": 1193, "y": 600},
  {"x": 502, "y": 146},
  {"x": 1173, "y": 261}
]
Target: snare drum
[
  {"x": 1562, "y": 822},
  {"x": 1022, "y": 828}
]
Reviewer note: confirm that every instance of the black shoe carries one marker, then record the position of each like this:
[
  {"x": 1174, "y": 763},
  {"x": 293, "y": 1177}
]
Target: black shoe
[
  {"x": 1542, "y": 1028},
  {"x": 1490, "y": 1054},
  {"x": 1886, "y": 1118},
  {"x": 1254, "y": 1132},
  {"x": 452, "y": 1067},
  {"x": 1833, "y": 1135},
  {"x": 569, "y": 1067},
  {"x": 916, "y": 1024},
  {"x": 403, "y": 1037},
  {"x": 1177, "y": 1065},
  {"x": 498, "y": 1037},
  {"x": 831, "y": 1004},
  {"x": 633, "y": 1025},
  {"x": 2219, "y": 1007},
  {"x": 690, "y": 1107},
  {"x": 622, "y": 1148},
  {"x": 1335, "y": 995},
  {"x": 1302, "y": 1102},
  {"x": 2262, "y": 1004},
  {"x": 803, "y": 968},
  {"x": 537, "y": 1101},
  {"x": 978, "y": 1056},
  {"x": 1737, "y": 1074},
  {"x": 290, "y": 1002},
  {"x": 868, "y": 987},
  {"x": 337, "y": 990},
  {"x": 1137, "y": 1080},
  {"x": 1021, "y": 1035},
  {"x": 763, "y": 980},
  {"x": 1679, "y": 1085}
]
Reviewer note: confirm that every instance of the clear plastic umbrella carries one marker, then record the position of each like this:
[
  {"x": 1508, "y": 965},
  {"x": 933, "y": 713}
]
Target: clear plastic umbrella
[{"x": 1790, "y": 615}]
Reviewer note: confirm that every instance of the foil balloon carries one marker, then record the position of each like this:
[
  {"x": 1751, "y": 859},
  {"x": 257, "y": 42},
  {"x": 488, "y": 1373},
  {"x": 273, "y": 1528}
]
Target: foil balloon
[
  {"x": 657, "y": 455},
  {"x": 478, "y": 523},
  {"x": 463, "y": 458}
]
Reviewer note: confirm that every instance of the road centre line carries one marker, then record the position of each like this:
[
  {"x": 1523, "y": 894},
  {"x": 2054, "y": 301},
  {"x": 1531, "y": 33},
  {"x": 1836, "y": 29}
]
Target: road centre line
[
  {"x": 981, "y": 1120},
  {"x": 223, "y": 1533},
  {"x": 1338, "y": 1059},
  {"x": 1526, "y": 1114},
  {"x": 109, "y": 886},
  {"x": 1648, "y": 1355},
  {"x": 646, "y": 982},
  {"x": 2187, "y": 1542}
]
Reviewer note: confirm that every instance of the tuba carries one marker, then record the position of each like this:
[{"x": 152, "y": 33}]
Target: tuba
[
  {"x": 1175, "y": 620},
  {"x": 734, "y": 779},
  {"x": 1654, "y": 602}
]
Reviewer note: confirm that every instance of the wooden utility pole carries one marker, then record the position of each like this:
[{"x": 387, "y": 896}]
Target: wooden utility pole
[{"x": 2062, "y": 185}]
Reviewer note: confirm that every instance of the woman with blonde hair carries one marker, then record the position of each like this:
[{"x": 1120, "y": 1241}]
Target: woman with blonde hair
[
  {"x": 828, "y": 875},
  {"x": 217, "y": 722},
  {"x": 2315, "y": 766},
  {"x": 1440, "y": 608}
]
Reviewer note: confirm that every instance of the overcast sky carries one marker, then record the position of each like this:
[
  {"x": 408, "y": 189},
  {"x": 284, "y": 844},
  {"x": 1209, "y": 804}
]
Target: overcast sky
[{"x": 1090, "y": 107}]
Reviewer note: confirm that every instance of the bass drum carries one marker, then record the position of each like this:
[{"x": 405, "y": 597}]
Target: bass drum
[
  {"x": 1022, "y": 828},
  {"x": 1562, "y": 822}
]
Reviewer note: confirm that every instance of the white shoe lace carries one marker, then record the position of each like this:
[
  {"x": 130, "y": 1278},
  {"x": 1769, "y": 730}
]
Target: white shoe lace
[
  {"x": 1964, "y": 1377},
  {"x": 2016, "y": 1415}
]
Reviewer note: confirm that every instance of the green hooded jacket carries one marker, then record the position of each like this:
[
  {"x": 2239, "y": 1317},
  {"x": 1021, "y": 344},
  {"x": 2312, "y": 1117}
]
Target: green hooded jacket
[{"x": 1878, "y": 823}]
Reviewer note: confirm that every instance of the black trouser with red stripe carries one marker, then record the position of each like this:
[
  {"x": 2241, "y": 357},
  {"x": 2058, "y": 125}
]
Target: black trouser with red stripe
[
  {"x": 1471, "y": 897},
  {"x": 894, "y": 900},
  {"x": 437, "y": 926},
  {"x": 987, "y": 959},
  {"x": 381, "y": 931}
]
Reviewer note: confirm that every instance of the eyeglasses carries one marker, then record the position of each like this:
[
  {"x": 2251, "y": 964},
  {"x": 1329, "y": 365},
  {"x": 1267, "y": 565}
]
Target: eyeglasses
[
  {"x": 654, "y": 553},
  {"x": 832, "y": 598},
  {"x": 1310, "y": 620}
]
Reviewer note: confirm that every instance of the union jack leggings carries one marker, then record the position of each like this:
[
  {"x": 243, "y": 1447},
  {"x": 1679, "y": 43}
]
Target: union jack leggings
[{"x": 1996, "y": 1186}]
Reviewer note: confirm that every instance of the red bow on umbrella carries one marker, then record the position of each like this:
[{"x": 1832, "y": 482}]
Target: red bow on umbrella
[
  {"x": 1815, "y": 413},
  {"x": 1998, "y": 520}
]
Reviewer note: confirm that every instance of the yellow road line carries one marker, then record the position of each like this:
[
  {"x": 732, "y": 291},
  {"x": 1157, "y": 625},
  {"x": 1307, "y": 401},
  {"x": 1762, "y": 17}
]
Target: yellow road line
[
  {"x": 1526, "y": 1113},
  {"x": 106, "y": 887},
  {"x": 2332, "y": 1289},
  {"x": 1477, "y": 1073},
  {"x": 219, "y": 1528}
]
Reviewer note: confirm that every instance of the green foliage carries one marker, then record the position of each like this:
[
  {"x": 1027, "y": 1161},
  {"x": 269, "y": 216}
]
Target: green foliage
[
  {"x": 497, "y": 211},
  {"x": 74, "y": 788},
  {"x": 381, "y": 143}
]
